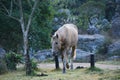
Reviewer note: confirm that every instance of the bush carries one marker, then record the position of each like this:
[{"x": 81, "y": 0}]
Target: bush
[
  {"x": 104, "y": 48},
  {"x": 87, "y": 10},
  {"x": 3, "y": 67},
  {"x": 34, "y": 65},
  {"x": 12, "y": 59}
]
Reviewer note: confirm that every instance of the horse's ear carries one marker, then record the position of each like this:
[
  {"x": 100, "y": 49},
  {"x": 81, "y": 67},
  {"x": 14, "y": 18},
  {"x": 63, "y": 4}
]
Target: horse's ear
[{"x": 56, "y": 35}]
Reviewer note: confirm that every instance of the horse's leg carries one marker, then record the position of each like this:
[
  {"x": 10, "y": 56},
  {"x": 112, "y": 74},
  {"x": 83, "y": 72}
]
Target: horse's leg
[
  {"x": 73, "y": 55},
  {"x": 64, "y": 61},
  {"x": 67, "y": 60}
]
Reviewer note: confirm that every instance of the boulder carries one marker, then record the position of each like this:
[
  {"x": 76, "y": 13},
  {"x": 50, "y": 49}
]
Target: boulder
[
  {"x": 66, "y": 11},
  {"x": 114, "y": 48},
  {"x": 82, "y": 55},
  {"x": 116, "y": 27},
  {"x": 114, "y": 58},
  {"x": 2, "y": 53},
  {"x": 90, "y": 43},
  {"x": 43, "y": 55},
  {"x": 92, "y": 29}
]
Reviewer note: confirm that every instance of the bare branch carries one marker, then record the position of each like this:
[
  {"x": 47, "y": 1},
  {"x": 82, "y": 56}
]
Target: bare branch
[
  {"x": 9, "y": 12},
  {"x": 31, "y": 15},
  {"x": 21, "y": 17},
  {"x": 11, "y": 7},
  {"x": 14, "y": 18},
  {"x": 5, "y": 8}
]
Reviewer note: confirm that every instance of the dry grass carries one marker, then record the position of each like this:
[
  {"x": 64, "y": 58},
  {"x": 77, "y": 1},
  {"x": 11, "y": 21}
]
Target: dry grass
[
  {"x": 78, "y": 74},
  {"x": 110, "y": 62}
]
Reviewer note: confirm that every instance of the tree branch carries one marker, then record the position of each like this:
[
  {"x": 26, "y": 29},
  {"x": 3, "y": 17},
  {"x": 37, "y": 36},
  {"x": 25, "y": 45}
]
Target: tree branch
[
  {"x": 21, "y": 17},
  {"x": 5, "y": 8},
  {"x": 11, "y": 7},
  {"x": 9, "y": 12},
  {"x": 13, "y": 18},
  {"x": 31, "y": 15}
]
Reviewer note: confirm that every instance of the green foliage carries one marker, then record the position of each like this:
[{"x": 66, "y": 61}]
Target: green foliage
[
  {"x": 12, "y": 59},
  {"x": 3, "y": 67},
  {"x": 41, "y": 26},
  {"x": 10, "y": 33},
  {"x": 94, "y": 69},
  {"x": 34, "y": 65},
  {"x": 87, "y": 10},
  {"x": 40, "y": 30},
  {"x": 70, "y": 4},
  {"x": 103, "y": 49},
  {"x": 34, "y": 68}
]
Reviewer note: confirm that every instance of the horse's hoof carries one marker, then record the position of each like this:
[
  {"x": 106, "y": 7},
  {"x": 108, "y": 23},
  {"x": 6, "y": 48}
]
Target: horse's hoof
[
  {"x": 71, "y": 67},
  {"x": 67, "y": 66},
  {"x": 64, "y": 70}
]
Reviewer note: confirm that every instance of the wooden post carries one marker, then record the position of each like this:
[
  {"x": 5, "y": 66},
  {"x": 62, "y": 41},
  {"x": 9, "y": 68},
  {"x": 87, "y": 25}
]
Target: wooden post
[
  {"x": 92, "y": 61},
  {"x": 56, "y": 62}
]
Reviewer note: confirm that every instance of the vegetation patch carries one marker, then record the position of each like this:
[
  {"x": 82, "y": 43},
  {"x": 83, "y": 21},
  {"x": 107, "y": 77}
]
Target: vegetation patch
[
  {"x": 111, "y": 75},
  {"x": 94, "y": 69},
  {"x": 77, "y": 74},
  {"x": 110, "y": 62}
]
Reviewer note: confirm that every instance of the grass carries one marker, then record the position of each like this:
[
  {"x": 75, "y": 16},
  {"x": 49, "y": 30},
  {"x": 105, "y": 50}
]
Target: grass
[
  {"x": 110, "y": 62},
  {"x": 77, "y": 74},
  {"x": 94, "y": 69}
]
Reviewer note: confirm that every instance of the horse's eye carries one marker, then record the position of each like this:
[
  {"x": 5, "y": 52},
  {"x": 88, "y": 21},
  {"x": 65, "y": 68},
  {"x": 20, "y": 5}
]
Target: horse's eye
[{"x": 56, "y": 43}]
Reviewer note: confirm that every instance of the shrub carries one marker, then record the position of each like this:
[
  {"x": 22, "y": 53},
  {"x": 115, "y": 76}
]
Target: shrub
[
  {"x": 94, "y": 69},
  {"x": 12, "y": 59},
  {"x": 87, "y": 10},
  {"x": 34, "y": 65},
  {"x": 104, "y": 48},
  {"x": 3, "y": 67}
]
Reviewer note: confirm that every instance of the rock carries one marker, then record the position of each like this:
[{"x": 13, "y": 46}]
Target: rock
[
  {"x": 116, "y": 21},
  {"x": 90, "y": 43},
  {"x": 2, "y": 53},
  {"x": 105, "y": 25},
  {"x": 116, "y": 27},
  {"x": 114, "y": 48},
  {"x": 114, "y": 58},
  {"x": 43, "y": 55},
  {"x": 80, "y": 54},
  {"x": 66, "y": 11},
  {"x": 92, "y": 29},
  {"x": 117, "y": 6}
]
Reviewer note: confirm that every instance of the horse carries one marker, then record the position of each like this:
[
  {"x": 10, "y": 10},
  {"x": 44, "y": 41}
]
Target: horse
[{"x": 64, "y": 43}]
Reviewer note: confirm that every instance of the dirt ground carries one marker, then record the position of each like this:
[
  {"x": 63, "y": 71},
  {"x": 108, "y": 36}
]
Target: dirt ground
[{"x": 101, "y": 66}]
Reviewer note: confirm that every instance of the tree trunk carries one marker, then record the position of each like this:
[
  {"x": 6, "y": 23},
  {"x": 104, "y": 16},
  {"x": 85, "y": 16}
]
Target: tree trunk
[
  {"x": 24, "y": 27},
  {"x": 28, "y": 64},
  {"x": 26, "y": 53}
]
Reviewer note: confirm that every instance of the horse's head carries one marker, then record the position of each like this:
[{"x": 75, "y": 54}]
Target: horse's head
[{"x": 56, "y": 44}]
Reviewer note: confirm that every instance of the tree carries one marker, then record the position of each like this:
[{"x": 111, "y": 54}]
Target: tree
[
  {"x": 39, "y": 35},
  {"x": 10, "y": 34},
  {"x": 25, "y": 23},
  {"x": 87, "y": 10}
]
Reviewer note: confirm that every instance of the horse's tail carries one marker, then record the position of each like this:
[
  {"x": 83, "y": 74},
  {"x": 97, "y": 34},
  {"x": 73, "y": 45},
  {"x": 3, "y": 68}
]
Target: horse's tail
[{"x": 74, "y": 54}]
